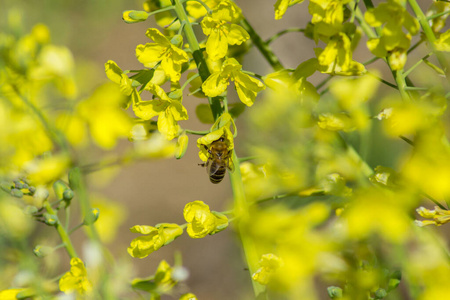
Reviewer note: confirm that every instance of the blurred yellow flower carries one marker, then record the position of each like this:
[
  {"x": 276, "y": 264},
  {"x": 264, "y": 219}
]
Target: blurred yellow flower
[
  {"x": 76, "y": 279},
  {"x": 107, "y": 121}
]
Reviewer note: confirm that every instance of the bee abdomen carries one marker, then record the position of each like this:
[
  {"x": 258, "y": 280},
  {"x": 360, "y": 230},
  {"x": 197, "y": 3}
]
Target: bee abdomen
[{"x": 218, "y": 175}]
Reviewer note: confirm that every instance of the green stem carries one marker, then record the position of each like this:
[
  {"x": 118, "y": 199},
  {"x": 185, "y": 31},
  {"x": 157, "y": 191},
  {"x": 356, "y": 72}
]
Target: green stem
[
  {"x": 429, "y": 35},
  {"x": 189, "y": 80},
  {"x": 62, "y": 232},
  {"x": 401, "y": 84},
  {"x": 263, "y": 47},
  {"x": 241, "y": 212},
  {"x": 161, "y": 10},
  {"x": 283, "y": 32},
  {"x": 406, "y": 73},
  {"x": 197, "y": 53},
  {"x": 77, "y": 184},
  {"x": 204, "y": 132},
  {"x": 57, "y": 138},
  {"x": 438, "y": 15}
]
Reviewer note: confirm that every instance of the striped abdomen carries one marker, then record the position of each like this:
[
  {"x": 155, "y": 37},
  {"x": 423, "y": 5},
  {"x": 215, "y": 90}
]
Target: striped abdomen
[{"x": 219, "y": 174}]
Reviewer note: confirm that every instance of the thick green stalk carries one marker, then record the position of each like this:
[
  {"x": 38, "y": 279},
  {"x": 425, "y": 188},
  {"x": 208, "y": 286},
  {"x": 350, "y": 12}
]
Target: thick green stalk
[
  {"x": 241, "y": 211},
  {"x": 202, "y": 67},
  {"x": 62, "y": 232}
]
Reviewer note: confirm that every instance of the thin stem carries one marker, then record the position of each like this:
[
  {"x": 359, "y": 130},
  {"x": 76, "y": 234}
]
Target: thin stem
[
  {"x": 434, "y": 200},
  {"x": 205, "y": 6},
  {"x": 429, "y": 35},
  {"x": 189, "y": 80},
  {"x": 283, "y": 32},
  {"x": 416, "y": 65},
  {"x": 323, "y": 82},
  {"x": 407, "y": 140},
  {"x": 384, "y": 81},
  {"x": 62, "y": 232},
  {"x": 438, "y": 15},
  {"x": 247, "y": 158},
  {"x": 372, "y": 60},
  {"x": 204, "y": 132},
  {"x": 76, "y": 227},
  {"x": 53, "y": 133},
  {"x": 263, "y": 47},
  {"x": 161, "y": 10}
]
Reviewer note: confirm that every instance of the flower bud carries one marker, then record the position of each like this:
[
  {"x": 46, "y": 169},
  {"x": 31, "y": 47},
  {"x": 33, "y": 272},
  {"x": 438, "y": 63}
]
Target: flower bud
[
  {"x": 68, "y": 195},
  {"x": 50, "y": 219},
  {"x": 41, "y": 251},
  {"x": 380, "y": 293},
  {"x": 334, "y": 292},
  {"x": 59, "y": 187},
  {"x": 92, "y": 216},
  {"x": 134, "y": 16},
  {"x": 177, "y": 40},
  {"x": 181, "y": 146},
  {"x": 16, "y": 193},
  {"x": 30, "y": 210},
  {"x": 7, "y": 186}
]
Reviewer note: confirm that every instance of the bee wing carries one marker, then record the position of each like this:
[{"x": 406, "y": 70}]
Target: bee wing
[{"x": 212, "y": 169}]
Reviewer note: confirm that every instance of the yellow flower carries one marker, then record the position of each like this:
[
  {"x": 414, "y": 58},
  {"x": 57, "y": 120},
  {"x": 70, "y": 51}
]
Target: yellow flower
[
  {"x": 106, "y": 120},
  {"x": 162, "y": 50},
  {"x": 10, "y": 294},
  {"x": 201, "y": 221},
  {"x": 439, "y": 216},
  {"x": 269, "y": 264},
  {"x": 282, "y": 5},
  {"x": 155, "y": 238},
  {"x": 196, "y": 10},
  {"x": 220, "y": 33},
  {"x": 220, "y": 129},
  {"x": 169, "y": 111},
  {"x": 76, "y": 279},
  {"x": 246, "y": 86},
  {"x": 336, "y": 58}
]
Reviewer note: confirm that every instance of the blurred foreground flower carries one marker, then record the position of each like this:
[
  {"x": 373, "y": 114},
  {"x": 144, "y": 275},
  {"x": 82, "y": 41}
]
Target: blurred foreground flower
[{"x": 76, "y": 279}]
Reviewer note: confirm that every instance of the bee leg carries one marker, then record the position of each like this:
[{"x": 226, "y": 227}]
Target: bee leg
[
  {"x": 207, "y": 149},
  {"x": 202, "y": 165}
]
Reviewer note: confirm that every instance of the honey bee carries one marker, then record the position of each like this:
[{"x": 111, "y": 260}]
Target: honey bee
[{"x": 219, "y": 161}]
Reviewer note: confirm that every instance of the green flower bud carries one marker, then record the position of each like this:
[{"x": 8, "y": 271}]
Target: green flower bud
[
  {"x": 380, "y": 293},
  {"x": 68, "y": 195},
  {"x": 18, "y": 184},
  {"x": 59, "y": 187},
  {"x": 334, "y": 292},
  {"x": 177, "y": 40},
  {"x": 41, "y": 251},
  {"x": 92, "y": 216},
  {"x": 394, "y": 280},
  {"x": 181, "y": 146},
  {"x": 30, "y": 210},
  {"x": 17, "y": 193},
  {"x": 134, "y": 16},
  {"x": 50, "y": 219},
  {"x": 7, "y": 186}
]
